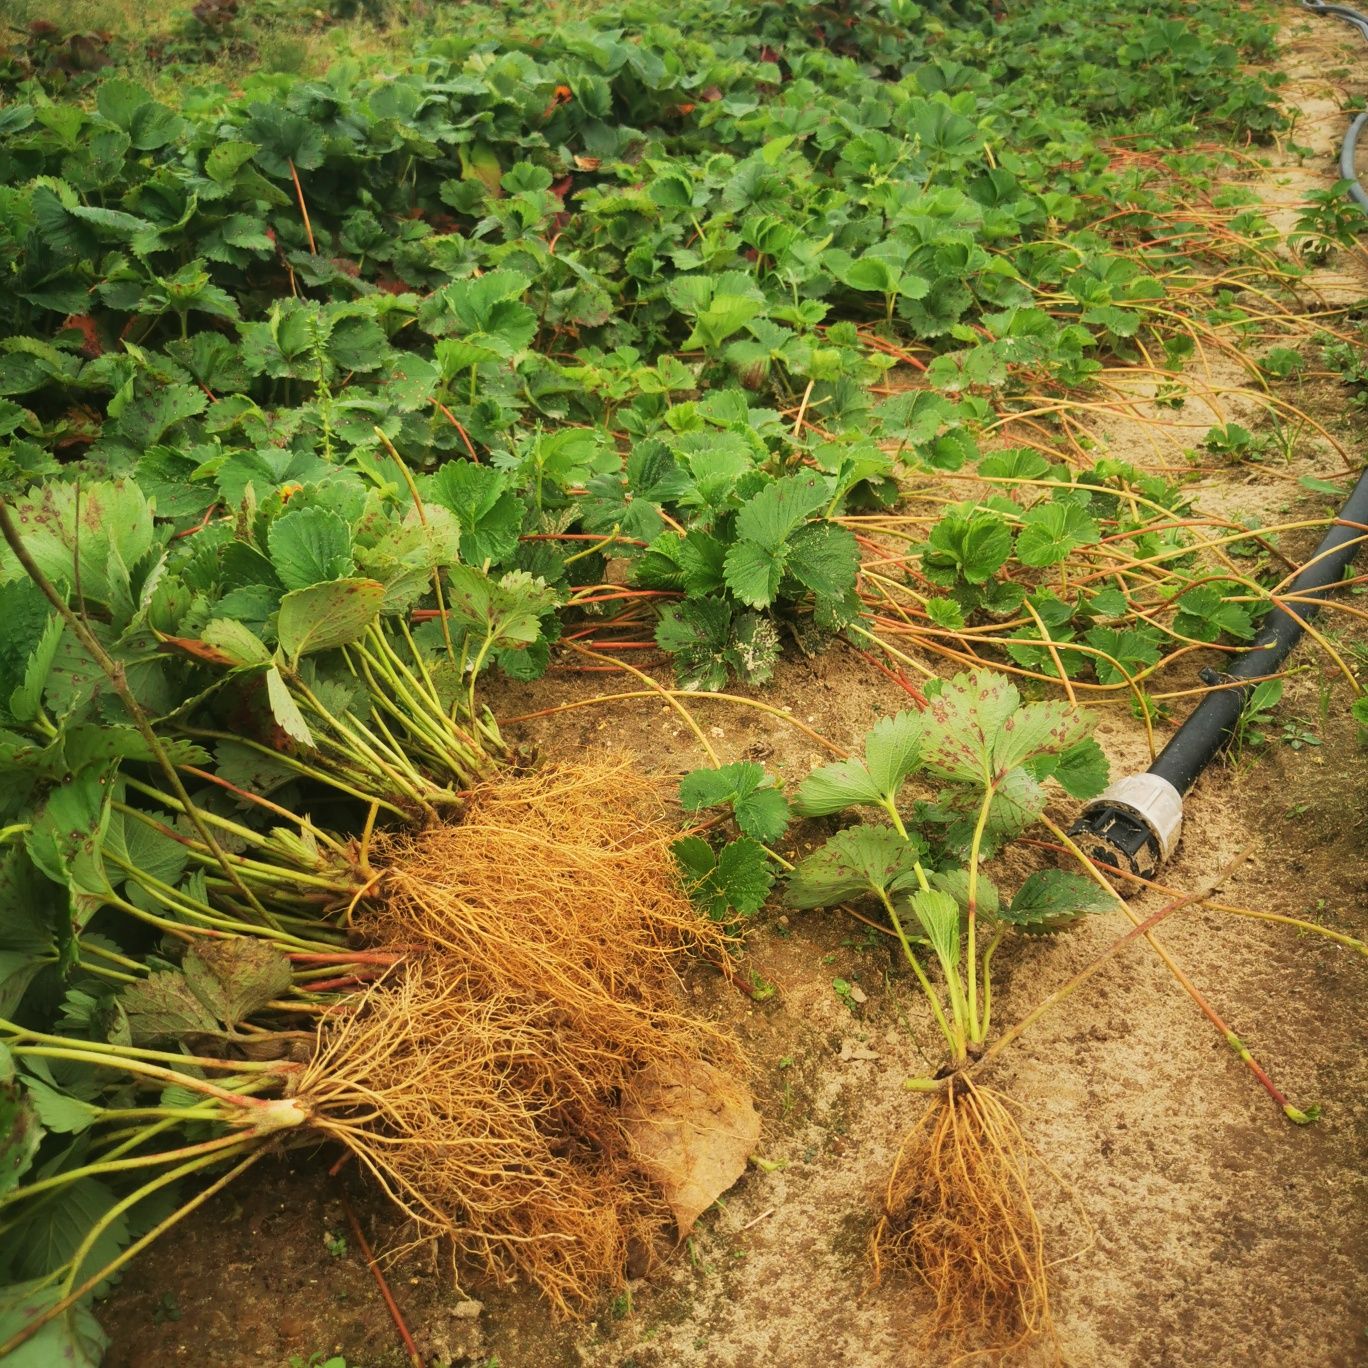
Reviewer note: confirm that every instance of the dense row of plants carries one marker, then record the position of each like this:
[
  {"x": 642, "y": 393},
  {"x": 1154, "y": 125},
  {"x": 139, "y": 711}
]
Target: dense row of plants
[
  {"x": 320, "y": 399},
  {"x": 645, "y": 287}
]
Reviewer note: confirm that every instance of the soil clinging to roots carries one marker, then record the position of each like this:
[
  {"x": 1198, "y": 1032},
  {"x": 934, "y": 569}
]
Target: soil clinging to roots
[
  {"x": 482, "y": 1083},
  {"x": 958, "y": 1215}
]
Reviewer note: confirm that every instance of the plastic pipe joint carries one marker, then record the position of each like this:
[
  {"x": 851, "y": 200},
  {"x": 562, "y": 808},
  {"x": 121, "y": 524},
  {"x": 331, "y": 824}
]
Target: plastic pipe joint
[{"x": 1133, "y": 825}]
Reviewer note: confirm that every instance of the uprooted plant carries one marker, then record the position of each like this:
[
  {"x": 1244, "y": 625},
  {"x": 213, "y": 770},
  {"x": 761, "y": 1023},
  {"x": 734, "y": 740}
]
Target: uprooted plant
[{"x": 957, "y": 1210}]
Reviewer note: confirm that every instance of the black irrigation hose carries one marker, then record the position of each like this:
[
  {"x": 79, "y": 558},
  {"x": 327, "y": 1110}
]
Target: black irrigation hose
[
  {"x": 1348, "y": 164},
  {"x": 1135, "y": 824},
  {"x": 1194, "y": 743}
]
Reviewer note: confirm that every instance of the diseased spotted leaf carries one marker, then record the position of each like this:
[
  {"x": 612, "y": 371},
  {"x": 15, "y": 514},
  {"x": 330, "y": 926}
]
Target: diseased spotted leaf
[
  {"x": 72, "y": 1338},
  {"x": 162, "y": 1007},
  {"x": 64, "y": 525},
  {"x": 857, "y": 862},
  {"x": 962, "y": 723},
  {"x": 1052, "y": 898},
  {"x": 327, "y": 615},
  {"x": 236, "y": 976},
  {"x": 1037, "y": 728},
  {"x": 21, "y": 1132},
  {"x": 66, "y": 833}
]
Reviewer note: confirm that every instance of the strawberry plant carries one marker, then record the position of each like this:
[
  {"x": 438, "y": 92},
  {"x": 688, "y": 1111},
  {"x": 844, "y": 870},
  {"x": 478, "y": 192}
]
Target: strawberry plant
[
  {"x": 736, "y": 877},
  {"x": 986, "y": 756},
  {"x": 298, "y": 270},
  {"x": 957, "y": 1210}
]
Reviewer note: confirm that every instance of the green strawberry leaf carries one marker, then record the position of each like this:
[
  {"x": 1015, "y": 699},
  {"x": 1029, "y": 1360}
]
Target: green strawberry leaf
[
  {"x": 490, "y": 517},
  {"x": 1082, "y": 770},
  {"x": 285, "y": 710},
  {"x": 1051, "y": 899},
  {"x": 955, "y": 882},
  {"x": 507, "y": 611},
  {"x": 759, "y": 807},
  {"x": 892, "y": 751},
  {"x": 310, "y": 546},
  {"x": 938, "y": 915},
  {"x": 972, "y": 547},
  {"x": 736, "y": 879},
  {"x": 781, "y": 508},
  {"x": 1204, "y": 614},
  {"x": 824, "y": 558},
  {"x": 835, "y": 787},
  {"x": 753, "y": 572},
  {"x": 859, "y": 861},
  {"x": 1051, "y": 531}
]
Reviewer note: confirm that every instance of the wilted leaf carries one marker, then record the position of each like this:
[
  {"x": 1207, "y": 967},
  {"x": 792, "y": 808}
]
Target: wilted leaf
[
  {"x": 237, "y": 976},
  {"x": 693, "y": 1131},
  {"x": 161, "y": 1007}
]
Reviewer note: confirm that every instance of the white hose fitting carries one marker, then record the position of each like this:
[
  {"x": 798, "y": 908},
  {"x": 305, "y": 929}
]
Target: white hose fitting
[
  {"x": 1134, "y": 825},
  {"x": 1152, "y": 800}
]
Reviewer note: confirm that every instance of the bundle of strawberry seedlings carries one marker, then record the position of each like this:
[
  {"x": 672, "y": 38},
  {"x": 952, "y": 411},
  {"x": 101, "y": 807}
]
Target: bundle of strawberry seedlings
[{"x": 272, "y": 874}]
